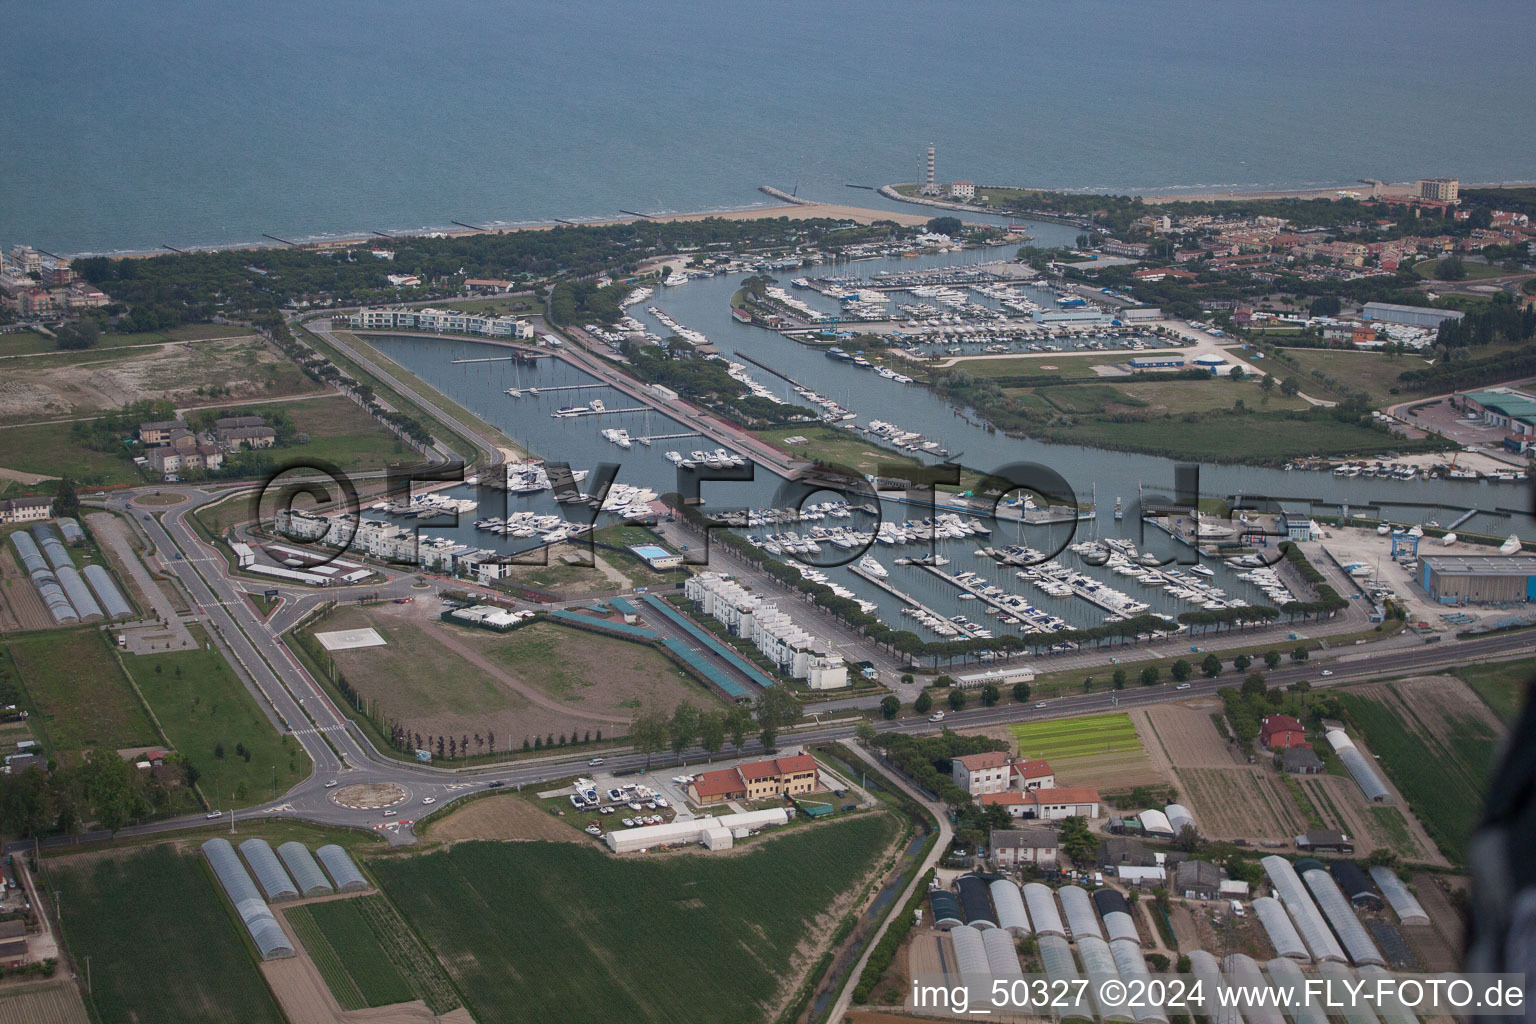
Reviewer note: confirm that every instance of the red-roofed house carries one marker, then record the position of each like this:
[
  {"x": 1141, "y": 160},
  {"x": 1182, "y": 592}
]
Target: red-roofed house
[
  {"x": 1277, "y": 732},
  {"x": 988, "y": 772},
  {"x": 1047, "y": 804},
  {"x": 1029, "y": 775},
  {"x": 756, "y": 780}
]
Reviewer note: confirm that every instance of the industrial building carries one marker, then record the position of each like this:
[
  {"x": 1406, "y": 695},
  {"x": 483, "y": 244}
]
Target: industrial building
[
  {"x": 998, "y": 677},
  {"x": 1505, "y": 408},
  {"x": 712, "y": 833},
  {"x": 1479, "y": 579},
  {"x": 1411, "y": 316},
  {"x": 657, "y": 557}
]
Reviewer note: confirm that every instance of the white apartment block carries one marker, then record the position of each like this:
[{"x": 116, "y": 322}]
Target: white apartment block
[
  {"x": 798, "y": 654},
  {"x": 990, "y": 772},
  {"x": 443, "y": 321}
]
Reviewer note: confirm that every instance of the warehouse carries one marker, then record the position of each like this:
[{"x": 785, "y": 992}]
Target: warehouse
[
  {"x": 1479, "y": 579},
  {"x": 1002, "y": 678},
  {"x": 1411, "y": 316},
  {"x": 715, "y": 833}
]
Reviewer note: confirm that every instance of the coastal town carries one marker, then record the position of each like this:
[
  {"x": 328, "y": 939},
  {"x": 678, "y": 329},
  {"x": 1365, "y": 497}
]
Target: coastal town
[{"x": 856, "y": 603}]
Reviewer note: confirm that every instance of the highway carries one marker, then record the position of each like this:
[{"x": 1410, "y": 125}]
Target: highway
[{"x": 297, "y": 703}]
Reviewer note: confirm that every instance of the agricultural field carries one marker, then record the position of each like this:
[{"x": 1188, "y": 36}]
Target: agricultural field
[
  {"x": 581, "y": 935},
  {"x": 209, "y": 716},
  {"x": 1104, "y": 751},
  {"x": 1504, "y": 685},
  {"x": 1240, "y": 803},
  {"x": 340, "y": 939},
  {"x": 1437, "y": 742},
  {"x": 54, "y": 1003},
  {"x": 82, "y": 697},
  {"x": 164, "y": 945}
]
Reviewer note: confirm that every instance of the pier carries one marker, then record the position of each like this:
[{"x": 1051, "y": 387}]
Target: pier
[
  {"x": 910, "y": 601},
  {"x": 991, "y": 602},
  {"x": 518, "y": 392},
  {"x": 764, "y": 366},
  {"x": 520, "y": 357},
  {"x": 600, "y": 412},
  {"x": 647, "y": 439}
]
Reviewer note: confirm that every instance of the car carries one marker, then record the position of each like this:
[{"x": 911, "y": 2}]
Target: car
[
  {"x": 390, "y": 814},
  {"x": 594, "y": 762},
  {"x": 331, "y": 785},
  {"x": 1327, "y": 671},
  {"x": 1041, "y": 704},
  {"x": 146, "y": 517},
  {"x": 213, "y": 814},
  {"x": 429, "y": 799},
  {"x": 1183, "y": 686},
  {"x": 495, "y": 785}
]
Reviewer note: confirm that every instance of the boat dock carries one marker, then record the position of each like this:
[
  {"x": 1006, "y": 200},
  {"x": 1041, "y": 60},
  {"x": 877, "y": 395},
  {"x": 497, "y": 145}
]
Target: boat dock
[
  {"x": 975, "y": 592},
  {"x": 648, "y": 438},
  {"x": 764, "y": 366},
  {"x": 599, "y": 412},
  {"x": 910, "y": 601},
  {"x": 518, "y": 392}
]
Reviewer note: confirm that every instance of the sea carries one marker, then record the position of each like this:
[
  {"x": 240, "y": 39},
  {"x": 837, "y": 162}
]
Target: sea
[{"x": 132, "y": 126}]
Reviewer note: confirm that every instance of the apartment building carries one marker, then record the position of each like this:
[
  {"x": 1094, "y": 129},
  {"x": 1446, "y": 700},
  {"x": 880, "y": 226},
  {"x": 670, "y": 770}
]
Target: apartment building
[
  {"x": 443, "y": 321},
  {"x": 772, "y": 631}
]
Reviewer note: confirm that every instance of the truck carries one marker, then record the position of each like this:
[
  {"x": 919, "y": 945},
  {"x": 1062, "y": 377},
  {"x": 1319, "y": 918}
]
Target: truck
[{"x": 122, "y": 641}]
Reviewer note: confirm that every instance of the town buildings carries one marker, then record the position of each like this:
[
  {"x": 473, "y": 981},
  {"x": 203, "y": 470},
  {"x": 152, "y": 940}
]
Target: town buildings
[
  {"x": 773, "y": 632},
  {"x": 1441, "y": 190},
  {"x": 1046, "y": 804},
  {"x": 25, "y": 510},
  {"x": 441, "y": 321},
  {"x": 756, "y": 780},
  {"x": 1014, "y": 848}
]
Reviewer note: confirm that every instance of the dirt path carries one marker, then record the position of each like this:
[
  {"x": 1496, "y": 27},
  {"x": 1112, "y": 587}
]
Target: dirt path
[{"x": 510, "y": 681}]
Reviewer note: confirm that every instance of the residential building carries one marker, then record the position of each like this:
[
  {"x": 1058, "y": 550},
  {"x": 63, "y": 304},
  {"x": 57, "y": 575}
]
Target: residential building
[
  {"x": 13, "y": 943},
  {"x": 1014, "y": 848},
  {"x": 247, "y": 437},
  {"x": 25, "y": 510},
  {"x": 756, "y": 780},
  {"x": 57, "y": 273},
  {"x": 963, "y": 190},
  {"x": 487, "y": 286},
  {"x": 773, "y": 632},
  {"x": 1028, "y": 775},
  {"x": 1441, "y": 190},
  {"x": 25, "y": 259},
  {"x": 988, "y": 772},
  {"x": 159, "y": 432},
  {"x": 1281, "y": 731},
  {"x": 444, "y": 321}
]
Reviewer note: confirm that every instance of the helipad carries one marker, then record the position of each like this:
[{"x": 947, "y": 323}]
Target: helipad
[{"x": 350, "y": 639}]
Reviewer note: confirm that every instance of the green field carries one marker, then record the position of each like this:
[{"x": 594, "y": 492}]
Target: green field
[
  {"x": 1444, "y": 780},
  {"x": 1076, "y": 737},
  {"x": 1258, "y": 436},
  {"x": 1371, "y": 372},
  {"x": 1428, "y": 269},
  {"x": 1052, "y": 365},
  {"x": 164, "y": 945},
  {"x": 839, "y": 447},
  {"x": 350, "y": 958},
  {"x": 1504, "y": 685},
  {"x": 341, "y": 432},
  {"x": 582, "y": 936},
  {"x": 82, "y": 697},
  {"x": 48, "y": 449},
  {"x": 205, "y": 710}
]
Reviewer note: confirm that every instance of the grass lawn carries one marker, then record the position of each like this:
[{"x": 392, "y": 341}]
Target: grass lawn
[
  {"x": 203, "y": 709},
  {"x": 1259, "y": 437},
  {"x": 48, "y": 449},
  {"x": 22, "y": 343},
  {"x": 581, "y": 935},
  {"x": 501, "y": 304},
  {"x": 1429, "y": 270},
  {"x": 1503, "y": 685},
  {"x": 164, "y": 945},
  {"x": 1076, "y": 737},
  {"x": 578, "y": 666},
  {"x": 840, "y": 447},
  {"x": 83, "y": 699},
  {"x": 1181, "y": 396},
  {"x": 1052, "y": 365},
  {"x": 1371, "y": 372},
  {"x": 221, "y": 515},
  {"x": 348, "y": 955},
  {"x": 341, "y": 432},
  {"x": 33, "y": 342}
]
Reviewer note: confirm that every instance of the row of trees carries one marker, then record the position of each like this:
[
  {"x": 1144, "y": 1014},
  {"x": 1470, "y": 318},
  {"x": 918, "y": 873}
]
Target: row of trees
[{"x": 654, "y": 730}]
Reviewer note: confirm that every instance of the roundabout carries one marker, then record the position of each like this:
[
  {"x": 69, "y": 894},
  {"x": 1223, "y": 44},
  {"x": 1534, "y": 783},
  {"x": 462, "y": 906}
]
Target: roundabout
[{"x": 370, "y": 796}]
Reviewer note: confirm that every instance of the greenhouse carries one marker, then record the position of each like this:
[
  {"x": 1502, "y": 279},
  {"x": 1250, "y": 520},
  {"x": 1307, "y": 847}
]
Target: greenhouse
[
  {"x": 274, "y": 881},
  {"x": 1078, "y": 909},
  {"x": 946, "y": 909},
  {"x": 111, "y": 599},
  {"x": 78, "y": 593},
  {"x": 1002, "y": 955},
  {"x": 1285, "y": 976},
  {"x": 54, "y": 548},
  {"x": 1243, "y": 970},
  {"x": 1156, "y": 823},
  {"x": 70, "y": 528},
  {"x": 26, "y": 549},
  {"x": 973, "y": 898},
  {"x": 265, "y": 932},
  {"x": 301, "y": 865},
  {"x": 1042, "y": 910},
  {"x": 1390, "y": 1008},
  {"x": 1352, "y": 1011},
  {"x": 341, "y": 869},
  {"x": 971, "y": 957},
  {"x": 1304, "y": 913},
  {"x": 1404, "y": 903},
  {"x": 1132, "y": 964},
  {"x": 1179, "y": 818},
  {"x": 1010, "y": 907},
  {"x": 1352, "y": 881},
  {"x": 1359, "y": 766},
  {"x": 1277, "y": 925},
  {"x": 1357, "y": 941},
  {"x": 53, "y": 596},
  {"x": 1099, "y": 965}
]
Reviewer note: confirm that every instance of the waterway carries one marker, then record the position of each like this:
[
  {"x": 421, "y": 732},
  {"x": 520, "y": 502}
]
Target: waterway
[{"x": 704, "y": 305}]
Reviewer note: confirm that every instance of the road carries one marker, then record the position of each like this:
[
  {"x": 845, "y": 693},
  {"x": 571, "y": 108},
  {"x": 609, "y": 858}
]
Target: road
[{"x": 297, "y": 704}]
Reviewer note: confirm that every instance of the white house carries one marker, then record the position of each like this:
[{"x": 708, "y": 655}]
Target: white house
[{"x": 987, "y": 772}]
